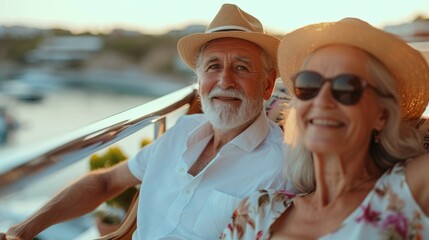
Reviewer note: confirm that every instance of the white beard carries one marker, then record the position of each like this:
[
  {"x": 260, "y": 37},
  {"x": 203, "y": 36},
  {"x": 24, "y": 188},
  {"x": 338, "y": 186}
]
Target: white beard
[{"x": 227, "y": 116}]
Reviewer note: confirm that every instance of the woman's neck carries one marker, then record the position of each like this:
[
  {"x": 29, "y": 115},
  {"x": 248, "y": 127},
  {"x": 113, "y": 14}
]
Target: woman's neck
[{"x": 338, "y": 175}]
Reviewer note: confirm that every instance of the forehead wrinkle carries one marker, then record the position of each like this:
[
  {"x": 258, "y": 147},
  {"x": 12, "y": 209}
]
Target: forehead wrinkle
[
  {"x": 211, "y": 59},
  {"x": 242, "y": 59}
]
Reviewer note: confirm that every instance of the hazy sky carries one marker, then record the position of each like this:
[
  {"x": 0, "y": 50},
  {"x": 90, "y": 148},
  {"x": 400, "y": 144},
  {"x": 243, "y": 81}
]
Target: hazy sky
[{"x": 158, "y": 16}]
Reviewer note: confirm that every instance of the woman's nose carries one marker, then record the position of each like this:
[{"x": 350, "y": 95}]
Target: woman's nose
[{"x": 324, "y": 98}]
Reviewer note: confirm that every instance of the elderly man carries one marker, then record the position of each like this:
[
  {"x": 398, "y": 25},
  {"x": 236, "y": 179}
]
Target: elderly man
[{"x": 198, "y": 171}]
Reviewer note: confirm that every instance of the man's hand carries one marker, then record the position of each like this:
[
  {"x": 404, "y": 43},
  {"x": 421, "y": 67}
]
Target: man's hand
[
  {"x": 4, "y": 236},
  {"x": 16, "y": 232},
  {"x": 7, "y": 236}
]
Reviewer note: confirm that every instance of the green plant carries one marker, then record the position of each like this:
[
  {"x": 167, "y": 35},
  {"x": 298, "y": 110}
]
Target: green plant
[
  {"x": 144, "y": 142},
  {"x": 115, "y": 208}
]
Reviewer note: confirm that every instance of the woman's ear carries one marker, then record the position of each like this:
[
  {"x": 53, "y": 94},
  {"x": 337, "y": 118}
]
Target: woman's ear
[{"x": 381, "y": 120}]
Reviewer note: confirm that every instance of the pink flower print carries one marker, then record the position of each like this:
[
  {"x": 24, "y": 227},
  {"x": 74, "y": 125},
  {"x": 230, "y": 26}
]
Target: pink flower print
[
  {"x": 240, "y": 217},
  {"x": 397, "y": 223},
  {"x": 395, "y": 202},
  {"x": 369, "y": 216},
  {"x": 287, "y": 193},
  {"x": 259, "y": 235}
]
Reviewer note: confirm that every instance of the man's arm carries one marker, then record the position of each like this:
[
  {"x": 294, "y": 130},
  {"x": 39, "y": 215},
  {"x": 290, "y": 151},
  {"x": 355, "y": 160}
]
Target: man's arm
[{"x": 79, "y": 198}]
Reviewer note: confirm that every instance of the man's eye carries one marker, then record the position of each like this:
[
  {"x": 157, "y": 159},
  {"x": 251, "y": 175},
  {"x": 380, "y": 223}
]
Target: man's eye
[
  {"x": 213, "y": 67},
  {"x": 242, "y": 68}
]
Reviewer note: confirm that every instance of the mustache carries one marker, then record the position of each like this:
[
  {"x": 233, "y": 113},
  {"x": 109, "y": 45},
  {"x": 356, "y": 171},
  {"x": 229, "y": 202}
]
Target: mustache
[{"x": 231, "y": 93}]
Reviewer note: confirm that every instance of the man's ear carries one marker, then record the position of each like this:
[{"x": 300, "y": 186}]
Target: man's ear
[{"x": 269, "y": 84}]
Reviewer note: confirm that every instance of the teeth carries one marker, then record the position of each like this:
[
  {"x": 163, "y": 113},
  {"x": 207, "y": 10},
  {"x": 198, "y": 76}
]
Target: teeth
[{"x": 325, "y": 122}]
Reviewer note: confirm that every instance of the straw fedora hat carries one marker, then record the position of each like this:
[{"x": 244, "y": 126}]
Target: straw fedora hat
[
  {"x": 405, "y": 63},
  {"x": 231, "y": 22}
]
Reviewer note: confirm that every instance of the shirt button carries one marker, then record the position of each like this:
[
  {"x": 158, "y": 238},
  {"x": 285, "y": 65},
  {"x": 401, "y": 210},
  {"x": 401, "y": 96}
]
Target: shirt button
[
  {"x": 181, "y": 170},
  {"x": 188, "y": 191}
]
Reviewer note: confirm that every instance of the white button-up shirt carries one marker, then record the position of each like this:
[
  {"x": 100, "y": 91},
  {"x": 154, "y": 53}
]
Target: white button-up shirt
[{"x": 176, "y": 205}]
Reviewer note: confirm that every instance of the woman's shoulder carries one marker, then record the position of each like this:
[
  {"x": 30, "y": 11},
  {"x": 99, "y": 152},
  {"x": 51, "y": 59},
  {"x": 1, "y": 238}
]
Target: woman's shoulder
[
  {"x": 415, "y": 166},
  {"x": 421, "y": 159},
  {"x": 407, "y": 181},
  {"x": 418, "y": 179},
  {"x": 416, "y": 169}
]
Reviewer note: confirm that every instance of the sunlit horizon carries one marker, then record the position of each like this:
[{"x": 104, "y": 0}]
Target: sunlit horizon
[{"x": 97, "y": 16}]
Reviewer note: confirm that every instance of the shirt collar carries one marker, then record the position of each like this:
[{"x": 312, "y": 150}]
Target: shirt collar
[
  {"x": 202, "y": 131},
  {"x": 250, "y": 138}
]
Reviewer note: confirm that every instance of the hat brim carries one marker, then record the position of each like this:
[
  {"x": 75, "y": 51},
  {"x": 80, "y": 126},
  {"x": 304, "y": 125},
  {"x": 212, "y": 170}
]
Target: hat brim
[
  {"x": 406, "y": 64},
  {"x": 189, "y": 46}
]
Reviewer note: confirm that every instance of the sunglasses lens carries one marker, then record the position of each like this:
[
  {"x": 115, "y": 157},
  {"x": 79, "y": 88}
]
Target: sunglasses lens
[
  {"x": 307, "y": 85},
  {"x": 347, "y": 89}
]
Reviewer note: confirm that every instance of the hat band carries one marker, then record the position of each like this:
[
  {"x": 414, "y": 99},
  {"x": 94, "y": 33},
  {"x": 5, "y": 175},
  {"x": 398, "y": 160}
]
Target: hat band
[{"x": 228, "y": 28}]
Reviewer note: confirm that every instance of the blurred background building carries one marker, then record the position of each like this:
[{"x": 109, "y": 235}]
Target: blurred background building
[{"x": 74, "y": 78}]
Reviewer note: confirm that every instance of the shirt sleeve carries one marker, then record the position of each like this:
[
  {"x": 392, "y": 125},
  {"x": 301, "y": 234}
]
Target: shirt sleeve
[{"x": 138, "y": 164}]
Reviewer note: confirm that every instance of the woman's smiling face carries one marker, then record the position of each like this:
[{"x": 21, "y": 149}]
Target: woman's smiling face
[{"x": 326, "y": 125}]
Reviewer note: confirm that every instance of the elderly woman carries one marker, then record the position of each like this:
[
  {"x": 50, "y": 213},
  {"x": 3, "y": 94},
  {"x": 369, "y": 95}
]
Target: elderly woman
[{"x": 359, "y": 165}]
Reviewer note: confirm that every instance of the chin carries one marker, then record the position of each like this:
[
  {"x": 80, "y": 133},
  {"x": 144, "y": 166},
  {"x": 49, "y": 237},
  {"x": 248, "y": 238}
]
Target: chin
[{"x": 317, "y": 146}]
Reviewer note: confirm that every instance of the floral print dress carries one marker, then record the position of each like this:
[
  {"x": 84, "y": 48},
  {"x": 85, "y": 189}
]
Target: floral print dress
[{"x": 389, "y": 211}]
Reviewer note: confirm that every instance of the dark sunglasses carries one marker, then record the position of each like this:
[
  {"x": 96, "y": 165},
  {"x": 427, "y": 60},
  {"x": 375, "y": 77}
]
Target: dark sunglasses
[{"x": 347, "y": 89}]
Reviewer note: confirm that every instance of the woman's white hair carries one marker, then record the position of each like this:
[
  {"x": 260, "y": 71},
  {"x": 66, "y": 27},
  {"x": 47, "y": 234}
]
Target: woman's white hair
[{"x": 398, "y": 141}]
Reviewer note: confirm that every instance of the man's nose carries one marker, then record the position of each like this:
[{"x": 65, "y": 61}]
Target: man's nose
[{"x": 226, "y": 79}]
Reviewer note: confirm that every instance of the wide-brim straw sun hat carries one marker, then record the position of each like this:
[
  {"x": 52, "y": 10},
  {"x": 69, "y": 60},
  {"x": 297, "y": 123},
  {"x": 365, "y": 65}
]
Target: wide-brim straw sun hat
[
  {"x": 230, "y": 22},
  {"x": 406, "y": 64}
]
